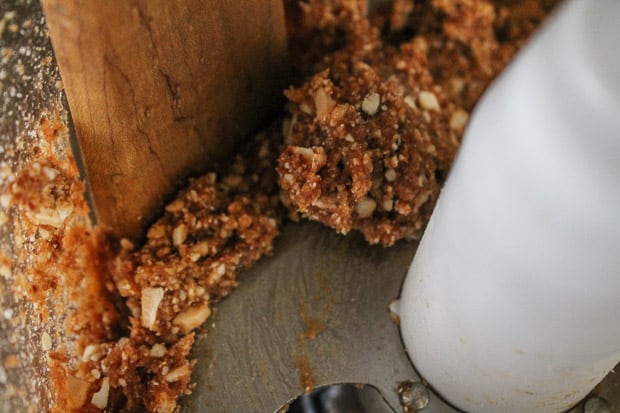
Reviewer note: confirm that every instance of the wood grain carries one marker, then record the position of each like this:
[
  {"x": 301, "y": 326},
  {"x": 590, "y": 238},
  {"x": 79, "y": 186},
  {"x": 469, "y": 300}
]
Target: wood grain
[{"x": 160, "y": 89}]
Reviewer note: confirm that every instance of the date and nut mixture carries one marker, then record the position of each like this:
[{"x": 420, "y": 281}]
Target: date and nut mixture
[
  {"x": 124, "y": 317},
  {"x": 374, "y": 128},
  {"x": 214, "y": 227}
]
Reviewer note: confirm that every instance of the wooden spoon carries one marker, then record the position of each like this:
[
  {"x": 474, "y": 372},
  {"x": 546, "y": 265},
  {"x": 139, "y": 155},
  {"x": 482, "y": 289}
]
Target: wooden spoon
[{"x": 161, "y": 89}]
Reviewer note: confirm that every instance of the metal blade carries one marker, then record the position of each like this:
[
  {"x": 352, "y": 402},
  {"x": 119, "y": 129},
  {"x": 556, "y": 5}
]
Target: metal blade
[{"x": 314, "y": 314}]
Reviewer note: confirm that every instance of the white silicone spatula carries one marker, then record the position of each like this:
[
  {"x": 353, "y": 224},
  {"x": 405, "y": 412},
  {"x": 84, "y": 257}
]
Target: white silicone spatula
[{"x": 512, "y": 303}]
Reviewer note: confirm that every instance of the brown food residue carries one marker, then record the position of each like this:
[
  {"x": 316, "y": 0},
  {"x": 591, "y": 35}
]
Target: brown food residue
[
  {"x": 128, "y": 315},
  {"x": 214, "y": 227},
  {"x": 373, "y": 125},
  {"x": 59, "y": 261},
  {"x": 304, "y": 369},
  {"x": 373, "y": 130},
  {"x": 312, "y": 327}
]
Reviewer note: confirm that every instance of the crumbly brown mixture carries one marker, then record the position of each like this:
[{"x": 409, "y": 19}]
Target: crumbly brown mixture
[
  {"x": 214, "y": 227},
  {"x": 374, "y": 130},
  {"x": 129, "y": 317}
]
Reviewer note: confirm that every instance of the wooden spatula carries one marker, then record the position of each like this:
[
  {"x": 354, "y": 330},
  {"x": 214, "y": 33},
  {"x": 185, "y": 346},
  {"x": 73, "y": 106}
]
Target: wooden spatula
[{"x": 160, "y": 89}]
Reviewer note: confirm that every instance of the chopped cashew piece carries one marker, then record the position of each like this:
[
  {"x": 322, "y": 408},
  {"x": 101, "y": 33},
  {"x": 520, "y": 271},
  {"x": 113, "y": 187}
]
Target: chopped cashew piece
[
  {"x": 151, "y": 297},
  {"x": 366, "y": 207},
  {"x": 192, "y": 317},
  {"x": 428, "y": 100},
  {"x": 370, "y": 104},
  {"x": 177, "y": 374},
  {"x": 100, "y": 398}
]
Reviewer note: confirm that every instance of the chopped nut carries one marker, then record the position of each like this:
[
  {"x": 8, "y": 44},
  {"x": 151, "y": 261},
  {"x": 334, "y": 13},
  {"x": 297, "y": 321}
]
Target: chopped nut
[
  {"x": 305, "y": 153},
  {"x": 370, "y": 104},
  {"x": 64, "y": 211},
  {"x": 388, "y": 204},
  {"x": 151, "y": 297},
  {"x": 201, "y": 249},
  {"x": 403, "y": 208},
  {"x": 428, "y": 100},
  {"x": 310, "y": 155},
  {"x": 179, "y": 234},
  {"x": 46, "y": 341},
  {"x": 390, "y": 175},
  {"x": 100, "y": 398},
  {"x": 365, "y": 207},
  {"x": 458, "y": 119},
  {"x": 177, "y": 374},
  {"x": 316, "y": 156},
  {"x": 47, "y": 216},
  {"x": 157, "y": 231},
  {"x": 288, "y": 178},
  {"x": 217, "y": 272},
  {"x": 51, "y": 173},
  {"x": 323, "y": 103},
  {"x": 192, "y": 317},
  {"x": 158, "y": 350},
  {"x": 409, "y": 101},
  {"x": 92, "y": 352}
]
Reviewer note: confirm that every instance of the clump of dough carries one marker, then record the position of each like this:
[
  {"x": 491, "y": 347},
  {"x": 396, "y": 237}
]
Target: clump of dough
[{"x": 374, "y": 129}]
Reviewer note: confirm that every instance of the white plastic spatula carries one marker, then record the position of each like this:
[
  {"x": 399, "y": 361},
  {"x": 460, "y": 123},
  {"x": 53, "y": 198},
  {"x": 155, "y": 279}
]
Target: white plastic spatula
[{"x": 512, "y": 303}]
